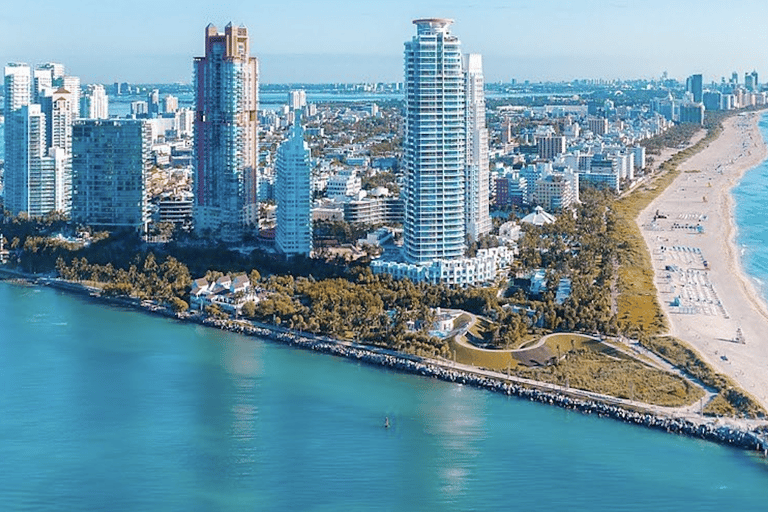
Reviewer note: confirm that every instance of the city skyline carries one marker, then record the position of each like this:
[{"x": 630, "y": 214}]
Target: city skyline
[{"x": 298, "y": 41}]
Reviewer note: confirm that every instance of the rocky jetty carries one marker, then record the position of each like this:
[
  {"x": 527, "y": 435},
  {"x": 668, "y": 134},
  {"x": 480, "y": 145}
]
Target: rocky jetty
[{"x": 743, "y": 439}]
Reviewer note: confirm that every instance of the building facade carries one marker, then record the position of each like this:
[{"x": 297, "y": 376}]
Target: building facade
[
  {"x": 18, "y": 94},
  {"x": 95, "y": 103},
  {"x": 434, "y": 144},
  {"x": 29, "y": 178},
  {"x": 38, "y": 140},
  {"x": 226, "y": 137},
  {"x": 477, "y": 170},
  {"x": 293, "y": 234},
  {"x": 110, "y": 162}
]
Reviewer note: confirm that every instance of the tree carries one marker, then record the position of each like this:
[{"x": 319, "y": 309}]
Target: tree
[
  {"x": 178, "y": 305},
  {"x": 249, "y": 309}
]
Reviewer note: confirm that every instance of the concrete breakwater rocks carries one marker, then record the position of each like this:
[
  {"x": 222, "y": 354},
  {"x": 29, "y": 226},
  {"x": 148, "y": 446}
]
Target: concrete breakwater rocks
[{"x": 412, "y": 364}]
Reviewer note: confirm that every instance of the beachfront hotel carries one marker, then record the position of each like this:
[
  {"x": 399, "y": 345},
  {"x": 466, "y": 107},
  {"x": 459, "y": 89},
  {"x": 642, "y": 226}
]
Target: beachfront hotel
[
  {"x": 445, "y": 156},
  {"x": 226, "y": 137}
]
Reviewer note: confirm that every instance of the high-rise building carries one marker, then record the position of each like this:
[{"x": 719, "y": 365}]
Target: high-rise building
[
  {"x": 95, "y": 103},
  {"x": 477, "y": 171},
  {"x": 750, "y": 81},
  {"x": 58, "y": 110},
  {"x": 59, "y": 115},
  {"x": 170, "y": 104},
  {"x": 695, "y": 85},
  {"x": 153, "y": 103},
  {"x": 29, "y": 181},
  {"x": 293, "y": 234},
  {"x": 18, "y": 86},
  {"x": 72, "y": 84},
  {"x": 110, "y": 162},
  {"x": 226, "y": 137},
  {"x": 55, "y": 69},
  {"x": 297, "y": 100},
  {"x": 139, "y": 108},
  {"x": 445, "y": 160},
  {"x": 42, "y": 83},
  {"x": 434, "y": 144},
  {"x": 39, "y": 113},
  {"x": 18, "y": 94}
]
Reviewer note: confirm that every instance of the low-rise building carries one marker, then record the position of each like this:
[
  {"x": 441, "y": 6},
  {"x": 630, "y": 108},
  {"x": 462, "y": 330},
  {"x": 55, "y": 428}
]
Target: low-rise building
[
  {"x": 228, "y": 293},
  {"x": 483, "y": 268}
]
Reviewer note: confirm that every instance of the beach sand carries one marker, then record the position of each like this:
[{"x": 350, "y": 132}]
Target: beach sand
[{"x": 697, "y": 262}]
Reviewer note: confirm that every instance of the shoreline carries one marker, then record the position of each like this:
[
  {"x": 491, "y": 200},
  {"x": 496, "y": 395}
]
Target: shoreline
[
  {"x": 714, "y": 429},
  {"x": 696, "y": 259}
]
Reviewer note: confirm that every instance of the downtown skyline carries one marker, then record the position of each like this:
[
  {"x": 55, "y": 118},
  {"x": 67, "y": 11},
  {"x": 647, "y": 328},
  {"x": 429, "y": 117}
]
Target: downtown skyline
[{"x": 298, "y": 41}]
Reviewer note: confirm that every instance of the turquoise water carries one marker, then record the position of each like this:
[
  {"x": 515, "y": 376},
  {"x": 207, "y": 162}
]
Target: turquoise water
[
  {"x": 108, "y": 409},
  {"x": 751, "y": 201}
]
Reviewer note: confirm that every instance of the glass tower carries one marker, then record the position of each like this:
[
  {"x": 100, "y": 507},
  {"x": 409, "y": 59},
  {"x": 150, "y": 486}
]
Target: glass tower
[{"x": 110, "y": 163}]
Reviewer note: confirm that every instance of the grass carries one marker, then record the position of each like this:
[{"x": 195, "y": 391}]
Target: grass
[
  {"x": 590, "y": 365},
  {"x": 622, "y": 377},
  {"x": 739, "y": 402},
  {"x": 498, "y": 360}
]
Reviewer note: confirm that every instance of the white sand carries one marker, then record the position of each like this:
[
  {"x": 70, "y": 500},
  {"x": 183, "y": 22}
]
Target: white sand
[{"x": 718, "y": 301}]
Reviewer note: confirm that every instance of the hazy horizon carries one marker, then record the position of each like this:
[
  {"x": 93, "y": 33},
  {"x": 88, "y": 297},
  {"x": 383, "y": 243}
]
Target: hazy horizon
[{"x": 301, "y": 41}]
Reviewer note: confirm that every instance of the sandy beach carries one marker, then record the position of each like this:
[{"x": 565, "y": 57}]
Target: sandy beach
[{"x": 689, "y": 229}]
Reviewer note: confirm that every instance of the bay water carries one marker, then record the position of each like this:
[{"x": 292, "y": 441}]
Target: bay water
[{"x": 103, "y": 408}]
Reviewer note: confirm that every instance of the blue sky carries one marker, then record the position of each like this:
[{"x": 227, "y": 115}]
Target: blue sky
[{"x": 345, "y": 41}]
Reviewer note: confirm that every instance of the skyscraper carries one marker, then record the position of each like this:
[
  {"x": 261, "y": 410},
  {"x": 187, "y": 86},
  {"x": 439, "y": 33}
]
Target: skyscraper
[
  {"x": 445, "y": 156},
  {"x": 18, "y": 95},
  {"x": 434, "y": 144},
  {"x": 38, "y": 140},
  {"x": 293, "y": 194},
  {"x": 58, "y": 110},
  {"x": 18, "y": 86},
  {"x": 110, "y": 162},
  {"x": 477, "y": 172},
  {"x": 695, "y": 85},
  {"x": 153, "y": 102},
  {"x": 95, "y": 103},
  {"x": 225, "y": 151},
  {"x": 29, "y": 182},
  {"x": 297, "y": 99},
  {"x": 170, "y": 104}
]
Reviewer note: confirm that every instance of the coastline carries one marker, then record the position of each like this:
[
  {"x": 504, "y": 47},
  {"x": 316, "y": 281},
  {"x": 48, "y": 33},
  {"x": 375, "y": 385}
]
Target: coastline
[
  {"x": 696, "y": 259},
  {"x": 740, "y": 434}
]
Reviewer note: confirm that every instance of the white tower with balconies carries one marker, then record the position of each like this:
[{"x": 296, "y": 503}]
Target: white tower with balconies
[
  {"x": 477, "y": 171},
  {"x": 434, "y": 144}
]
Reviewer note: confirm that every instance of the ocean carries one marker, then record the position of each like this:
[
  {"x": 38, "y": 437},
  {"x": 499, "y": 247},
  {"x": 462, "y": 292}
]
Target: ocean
[
  {"x": 750, "y": 197},
  {"x": 104, "y": 408}
]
